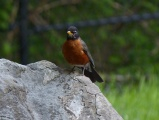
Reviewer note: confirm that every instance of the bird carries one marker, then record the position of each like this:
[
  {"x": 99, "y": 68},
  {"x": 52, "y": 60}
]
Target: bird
[{"x": 76, "y": 53}]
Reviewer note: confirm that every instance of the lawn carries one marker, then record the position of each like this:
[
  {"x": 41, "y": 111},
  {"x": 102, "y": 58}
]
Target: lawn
[{"x": 136, "y": 102}]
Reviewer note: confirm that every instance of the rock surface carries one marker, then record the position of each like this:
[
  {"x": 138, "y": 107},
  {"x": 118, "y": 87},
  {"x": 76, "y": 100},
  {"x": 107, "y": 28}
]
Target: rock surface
[{"x": 43, "y": 91}]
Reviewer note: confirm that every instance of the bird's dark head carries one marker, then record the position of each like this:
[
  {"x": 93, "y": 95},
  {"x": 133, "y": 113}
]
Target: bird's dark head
[{"x": 72, "y": 33}]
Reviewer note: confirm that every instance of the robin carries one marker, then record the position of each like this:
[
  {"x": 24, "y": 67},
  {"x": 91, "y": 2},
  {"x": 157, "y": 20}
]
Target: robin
[{"x": 77, "y": 54}]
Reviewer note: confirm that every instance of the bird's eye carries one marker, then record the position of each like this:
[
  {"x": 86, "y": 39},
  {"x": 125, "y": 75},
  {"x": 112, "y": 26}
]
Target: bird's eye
[{"x": 74, "y": 31}]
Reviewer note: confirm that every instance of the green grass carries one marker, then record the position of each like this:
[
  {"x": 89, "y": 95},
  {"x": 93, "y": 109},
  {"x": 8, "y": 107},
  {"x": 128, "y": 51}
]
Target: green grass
[{"x": 136, "y": 102}]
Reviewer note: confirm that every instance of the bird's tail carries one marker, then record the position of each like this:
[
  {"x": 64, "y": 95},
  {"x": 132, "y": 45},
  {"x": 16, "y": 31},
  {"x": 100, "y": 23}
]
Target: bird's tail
[{"x": 93, "y": 75}]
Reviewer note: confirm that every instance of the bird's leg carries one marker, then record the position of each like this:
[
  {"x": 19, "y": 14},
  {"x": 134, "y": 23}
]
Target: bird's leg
[
  {"x": 72, "y": 70},
  {"x": 83, "y": 70}
]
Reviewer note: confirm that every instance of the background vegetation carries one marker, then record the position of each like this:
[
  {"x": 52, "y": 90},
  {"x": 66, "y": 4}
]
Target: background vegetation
[{"x": 126, "y": 55}]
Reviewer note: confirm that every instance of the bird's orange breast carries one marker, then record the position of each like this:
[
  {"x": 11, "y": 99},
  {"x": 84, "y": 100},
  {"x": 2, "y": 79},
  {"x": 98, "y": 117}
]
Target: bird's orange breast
[{"x": 73, "y": 52}]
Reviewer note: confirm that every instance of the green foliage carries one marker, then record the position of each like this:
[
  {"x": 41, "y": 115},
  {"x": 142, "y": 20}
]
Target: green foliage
[
  {"x": 136, "y": 102},
  {"x": 115, "y": 48},
  {"x": 7, "y": 48},
  {"x": 5, "y": 9}
]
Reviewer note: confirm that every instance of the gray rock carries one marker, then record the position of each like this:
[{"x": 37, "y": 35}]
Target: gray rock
[{"x": 43, "y": 91}]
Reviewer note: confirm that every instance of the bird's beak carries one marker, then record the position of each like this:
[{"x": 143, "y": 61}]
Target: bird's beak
[{"x": 69, "y": 33}]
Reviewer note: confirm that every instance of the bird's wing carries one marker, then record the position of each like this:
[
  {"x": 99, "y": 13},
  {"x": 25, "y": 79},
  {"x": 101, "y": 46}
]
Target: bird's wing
[{"x": 85, "y": 49}]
